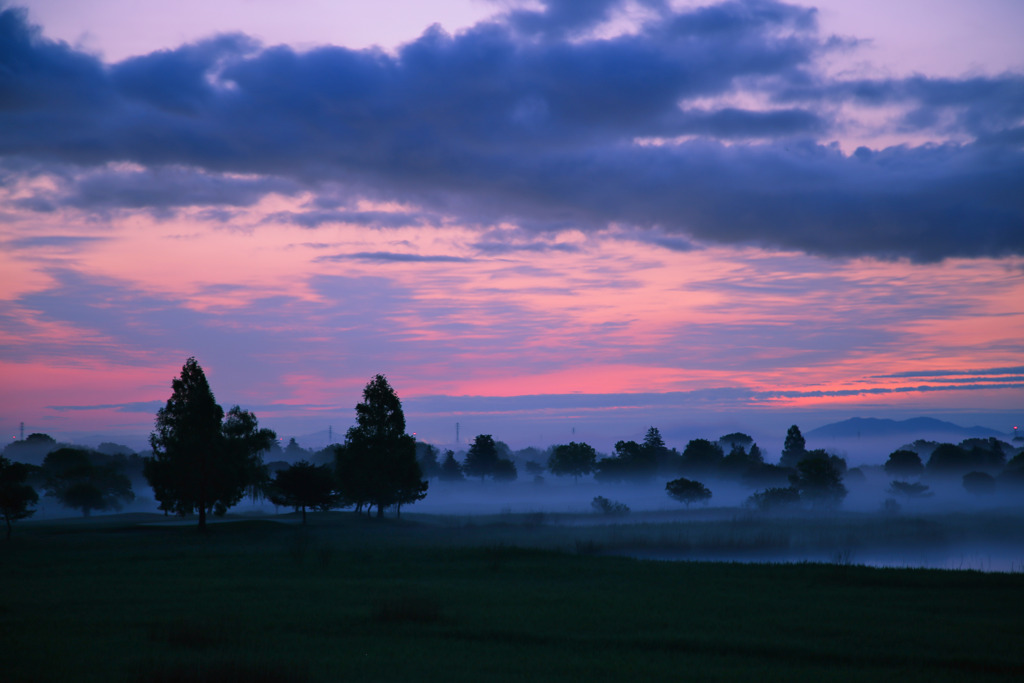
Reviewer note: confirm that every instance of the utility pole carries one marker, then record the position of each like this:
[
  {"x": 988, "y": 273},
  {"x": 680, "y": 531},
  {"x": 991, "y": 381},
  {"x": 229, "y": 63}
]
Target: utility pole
[
  {"x": 456, "y": 433},
  {"x": 22, "y": 432}
]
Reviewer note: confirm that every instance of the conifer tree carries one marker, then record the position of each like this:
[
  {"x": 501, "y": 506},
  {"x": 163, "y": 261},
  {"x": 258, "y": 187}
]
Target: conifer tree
[
  {"x": 201, "y": 461},
  {"x": 377, "y": 464}
]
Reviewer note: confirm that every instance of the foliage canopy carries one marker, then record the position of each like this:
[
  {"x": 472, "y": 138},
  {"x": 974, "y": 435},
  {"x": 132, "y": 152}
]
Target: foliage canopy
[
  {"x": 572, "y": 459},
  {"x": 377, "y": 464},
  {"x": 687, "y": 491},
  {"x": 16, "y": 497},
  {"x": 85, "y": 480},
  {"x": 303, "y": 485},
  {"x": 203, "y": 460}
]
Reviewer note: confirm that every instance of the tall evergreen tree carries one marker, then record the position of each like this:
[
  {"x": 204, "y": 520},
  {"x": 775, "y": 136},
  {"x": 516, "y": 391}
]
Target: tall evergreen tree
[
  {"x": 426, "y": 456},
  {"x": 377, "y": 464},
  {"x": 202, "y": 462},
  {"x": 654, "y": 445},
  {"x": 482, "y": 458},
  {"x": 794, "y": 449},
  {"x": 451, "y": 470}
]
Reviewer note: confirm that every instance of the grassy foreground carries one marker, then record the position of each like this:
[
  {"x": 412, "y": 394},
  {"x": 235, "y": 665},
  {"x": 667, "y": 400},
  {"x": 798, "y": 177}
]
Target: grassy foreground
[{"x": 350, "y": 599}]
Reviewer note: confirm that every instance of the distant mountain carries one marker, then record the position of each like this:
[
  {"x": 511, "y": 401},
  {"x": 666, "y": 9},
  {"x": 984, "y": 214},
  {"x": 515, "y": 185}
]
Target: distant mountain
[{"x": 918, "y": 427}]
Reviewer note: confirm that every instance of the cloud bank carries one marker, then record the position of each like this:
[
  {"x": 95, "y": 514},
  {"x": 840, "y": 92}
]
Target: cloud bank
[{"x": 715, "y": 124}]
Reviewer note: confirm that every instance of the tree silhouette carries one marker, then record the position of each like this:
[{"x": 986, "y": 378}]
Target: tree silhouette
[
  {"x": 687, "y": 491},
  {"x": 665, "y": 460},
  {"x": 739, "y": 462},
  {"x": 85, "y": 480},
  {"x": 950, "y": 460},
  {"x": 819, "y": 479},
  {"x": 909, "y": 489},
  {"x": 303, "y": 485},
  {"x": 504, "y": 470},
  {"x": 904, "y": 463},
  {"x": 451, "y": 470},
  {"x": 979, "y": 483},
  {"x": 482, "y": 458},
  {"x": 775, "y": 498},
  {"x": 32, "y": 449},
  {"x": 794, "y": 449},
  {"x": 293, "y": 452},
  {"x": 202, "y": 462},
  {"x": 426, "y": 456},
  {"x": 609, "y": 507},
  {"x": 377, "y": 464},
  {"x": 573, "y": 459},
  {"x": 631, "y": 462},
  {"x": 735, "y": 439},
  {"x": 15, "y": 495},
  {"x": 702, "y": 456}
]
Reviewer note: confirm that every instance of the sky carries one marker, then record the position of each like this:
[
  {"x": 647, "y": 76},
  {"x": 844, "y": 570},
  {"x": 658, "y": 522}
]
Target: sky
[{"x": 546, "y": 221}]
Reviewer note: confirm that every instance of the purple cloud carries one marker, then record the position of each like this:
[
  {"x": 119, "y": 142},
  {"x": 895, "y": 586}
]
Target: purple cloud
[{"x": 526, "y": 119}]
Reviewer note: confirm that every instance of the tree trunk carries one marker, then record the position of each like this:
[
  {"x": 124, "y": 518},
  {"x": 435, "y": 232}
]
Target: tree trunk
[
  {"x": 8, "y": 520},
  {"x": 303, "y": 514},
  {"x": 202, "y": 492}
]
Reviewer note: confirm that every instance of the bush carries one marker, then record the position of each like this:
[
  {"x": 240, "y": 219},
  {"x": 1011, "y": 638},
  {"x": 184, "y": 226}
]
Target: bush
[
  {"x": 608, "y": 507},
  {"x": 775, "y": 498},
  {"x": 891, "y": 506},
  {"x": 979, "y": 483},
  {"x": 910, "y": 489},
  {"x": 687, "y": 491}
]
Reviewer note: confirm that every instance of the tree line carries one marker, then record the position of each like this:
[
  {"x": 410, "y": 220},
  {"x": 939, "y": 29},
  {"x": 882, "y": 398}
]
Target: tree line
[{"x": 205, "y": 460}]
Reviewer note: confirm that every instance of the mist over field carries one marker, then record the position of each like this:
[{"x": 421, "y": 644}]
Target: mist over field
[{"x": 948, "y": 528}]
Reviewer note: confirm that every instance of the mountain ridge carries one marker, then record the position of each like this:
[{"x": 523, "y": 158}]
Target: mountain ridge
[{"x": 857, "y": 427}]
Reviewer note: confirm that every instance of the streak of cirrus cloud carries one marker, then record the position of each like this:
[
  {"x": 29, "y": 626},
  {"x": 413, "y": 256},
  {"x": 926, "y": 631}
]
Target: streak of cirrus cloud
[{"x": 550, "y": 201}]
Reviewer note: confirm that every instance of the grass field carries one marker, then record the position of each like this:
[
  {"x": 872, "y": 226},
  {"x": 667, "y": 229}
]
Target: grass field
[{"x": 495, "y": 599}]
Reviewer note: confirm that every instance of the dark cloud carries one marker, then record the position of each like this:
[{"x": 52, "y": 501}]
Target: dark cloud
[
  {"x": 389, "y": 256},
  {"x": 374, "y": 219},
  {"x": 561, "y": 17},
  {"x": 670, "y": 242},
  {"x": 527, "y": 119},
  {"x": 495, "y": 247},
  {"x": 165, "y": 187},
  {"x": 1013, "y": 370},
  {"x": 715, "y": 396},
  {"x": 51, "y": 241},
  {"x": 979, "y": 106},
  {"x": 133, "y": 407}
]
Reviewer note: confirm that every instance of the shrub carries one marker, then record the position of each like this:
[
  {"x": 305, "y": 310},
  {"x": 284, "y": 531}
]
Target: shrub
[
  {"x": 979, "y": 483},
  {"x": 608, "y": 507},
  {"x": 910, "y": 489},
  {"x": 775, "y": 498},
  {"x": 687, "y": 491}
]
